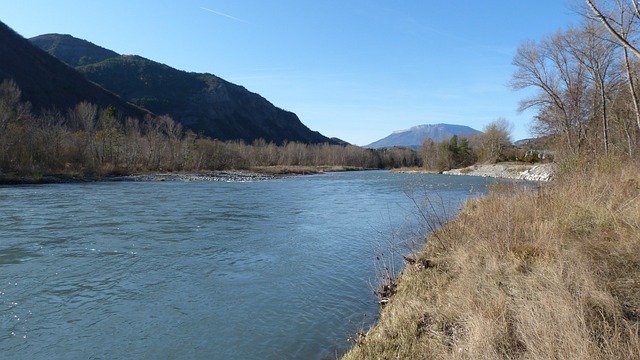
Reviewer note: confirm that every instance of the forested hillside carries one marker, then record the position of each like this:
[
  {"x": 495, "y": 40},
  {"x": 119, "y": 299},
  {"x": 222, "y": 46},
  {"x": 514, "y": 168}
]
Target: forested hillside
[
  {"x": 72, "y": 51},
  {"x": 203, "y": 103},
  {"x": 49, "y": 84}
]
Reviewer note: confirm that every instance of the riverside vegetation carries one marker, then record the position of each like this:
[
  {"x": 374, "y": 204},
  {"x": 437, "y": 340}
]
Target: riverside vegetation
[
  {"x": 87, "y": 142},
  {"x": 544, "y": 274},
  {"x": 550, "y": 272}
]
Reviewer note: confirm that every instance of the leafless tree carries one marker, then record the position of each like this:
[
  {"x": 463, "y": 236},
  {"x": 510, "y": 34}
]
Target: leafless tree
[
  {"x": 85, "y": 116},
  {"x": 492, "y": 143},
  {"x": 590, "y": 46},
  {"x": 620, "y": 18},
  {"x": 623, "y": 121},
  {"x": 9, "y": 100},
  {"x": 560, "y": 80}
]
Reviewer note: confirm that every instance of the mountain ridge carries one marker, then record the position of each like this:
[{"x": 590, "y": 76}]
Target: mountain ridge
[
  {"x": 71, "y": 50},
  {"x": 202, "y": 102},
  {"x": 49, "y": 84},
  {"x": 416, "y": 135}
]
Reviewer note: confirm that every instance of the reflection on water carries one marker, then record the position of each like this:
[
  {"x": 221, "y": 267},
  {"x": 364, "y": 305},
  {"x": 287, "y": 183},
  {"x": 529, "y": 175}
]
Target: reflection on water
[{"x": 266, "y": 270}]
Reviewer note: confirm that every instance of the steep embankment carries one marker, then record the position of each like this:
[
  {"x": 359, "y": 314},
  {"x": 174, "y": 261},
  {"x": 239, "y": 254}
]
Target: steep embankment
[{"x": 545, "y": 274}]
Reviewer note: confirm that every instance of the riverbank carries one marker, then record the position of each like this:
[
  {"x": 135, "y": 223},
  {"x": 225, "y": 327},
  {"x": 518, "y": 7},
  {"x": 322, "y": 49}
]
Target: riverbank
[
  {"x": 538, "y": 172},
  {"x": 551, "y": 273},
  {"x": 225, "y": 176},
  {"x": 516, "y": 171},
  {"x": 253, "y": 174},
  {"x": 303, "y": 170}
]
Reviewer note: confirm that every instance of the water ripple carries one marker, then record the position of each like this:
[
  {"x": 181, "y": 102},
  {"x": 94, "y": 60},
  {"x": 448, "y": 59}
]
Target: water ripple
[{"x": 264, "y": 270}]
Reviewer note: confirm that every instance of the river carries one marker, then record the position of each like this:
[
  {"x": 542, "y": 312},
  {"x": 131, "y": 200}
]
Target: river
[{"x": 277, "y": 269}]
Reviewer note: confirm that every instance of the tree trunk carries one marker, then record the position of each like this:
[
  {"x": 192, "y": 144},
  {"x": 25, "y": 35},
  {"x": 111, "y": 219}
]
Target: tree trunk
[
  {"x": 632, "y": 88},
  {"x": 605, "y": 124}
]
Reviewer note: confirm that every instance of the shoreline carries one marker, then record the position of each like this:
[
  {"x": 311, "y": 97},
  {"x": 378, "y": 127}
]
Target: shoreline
[
  {"x": 222, "y": 176},
  {"x": 219, "y": 176},
  {"x": 493, "y": 279},
  {"x": 528, "y": 172},
  {"x": 253, "y": 174}
]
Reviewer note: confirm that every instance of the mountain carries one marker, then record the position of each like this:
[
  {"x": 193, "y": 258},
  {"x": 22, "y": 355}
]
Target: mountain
[
  {"x": 414, "y": 137},
  {"x": 47, "y": 82},
  {"x": 203, "y": 103},
  {"x": 72, "y": 51}
]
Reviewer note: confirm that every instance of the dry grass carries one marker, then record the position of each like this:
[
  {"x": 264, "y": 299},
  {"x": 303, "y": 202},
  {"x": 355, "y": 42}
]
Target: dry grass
[{"x": 551, "y": 273}]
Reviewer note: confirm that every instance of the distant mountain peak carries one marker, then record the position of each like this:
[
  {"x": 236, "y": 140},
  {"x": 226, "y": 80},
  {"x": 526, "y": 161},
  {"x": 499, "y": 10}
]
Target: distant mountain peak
[
  {"x": 416, "y": 135},
  {"x": 400, "y": 131},
  {"x": 421, "y": 128}
]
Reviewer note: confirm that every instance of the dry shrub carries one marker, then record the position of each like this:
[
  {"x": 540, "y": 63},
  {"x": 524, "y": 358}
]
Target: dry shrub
[{"x": 540, "y": 273}]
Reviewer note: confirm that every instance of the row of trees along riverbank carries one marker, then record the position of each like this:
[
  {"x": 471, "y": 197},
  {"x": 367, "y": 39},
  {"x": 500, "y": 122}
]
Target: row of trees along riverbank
[
  {"x": 493, "y": 145},
  {"x": 585, "y": 81},
  {"x": 88, "y": 141}
]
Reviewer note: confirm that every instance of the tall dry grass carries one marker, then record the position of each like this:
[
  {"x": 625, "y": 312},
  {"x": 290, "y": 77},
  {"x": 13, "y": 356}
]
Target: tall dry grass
[{"x": 549, "y": 273}]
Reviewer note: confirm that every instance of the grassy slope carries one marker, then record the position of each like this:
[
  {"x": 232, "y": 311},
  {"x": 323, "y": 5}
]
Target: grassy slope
[{"x": 547, "y": 274}]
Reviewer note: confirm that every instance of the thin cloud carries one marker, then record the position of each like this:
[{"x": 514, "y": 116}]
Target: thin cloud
[{"x": 222, "y": 14}]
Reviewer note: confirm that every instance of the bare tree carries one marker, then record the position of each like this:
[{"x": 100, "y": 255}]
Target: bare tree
[
  {"x": 85, "y": 116},
  {"x": 133, "y": 145},
  {"x": 9, "y": 99},
  {"x": 606, "y": 11},
  {"x": 560, "y": 80},
  {"x": 622, "y": 116},
  {"x": 620, "y": 17},
  {"x": 492, "y": 143},
  {"x": 590, "y": 46}
]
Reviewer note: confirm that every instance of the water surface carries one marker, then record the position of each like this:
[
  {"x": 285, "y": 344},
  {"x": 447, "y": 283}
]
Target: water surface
[{"x": 275, "y": 269}]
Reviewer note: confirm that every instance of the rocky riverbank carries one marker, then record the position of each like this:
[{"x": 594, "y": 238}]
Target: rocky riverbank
[
  {"x": 254, "y": 174},
  {"x": 224, "y": 176},
  {"x": 540, "y": 172}
]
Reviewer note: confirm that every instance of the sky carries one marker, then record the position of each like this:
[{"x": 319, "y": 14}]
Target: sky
[{"x": 353, "y": 69}]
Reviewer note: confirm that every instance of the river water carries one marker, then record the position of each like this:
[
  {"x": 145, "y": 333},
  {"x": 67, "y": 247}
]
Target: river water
[{"x": 277, "y": 269}]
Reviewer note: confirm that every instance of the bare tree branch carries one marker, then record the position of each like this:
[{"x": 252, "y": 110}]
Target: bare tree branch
[{"x": 607, "y": 23}]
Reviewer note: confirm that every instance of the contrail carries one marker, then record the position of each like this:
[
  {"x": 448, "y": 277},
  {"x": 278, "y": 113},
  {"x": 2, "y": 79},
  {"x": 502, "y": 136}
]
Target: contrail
[{"x": 222, "y": 14}]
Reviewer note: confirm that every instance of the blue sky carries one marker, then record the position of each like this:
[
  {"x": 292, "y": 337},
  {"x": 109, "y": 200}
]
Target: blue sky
[{"x": 353, "y": 69}]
